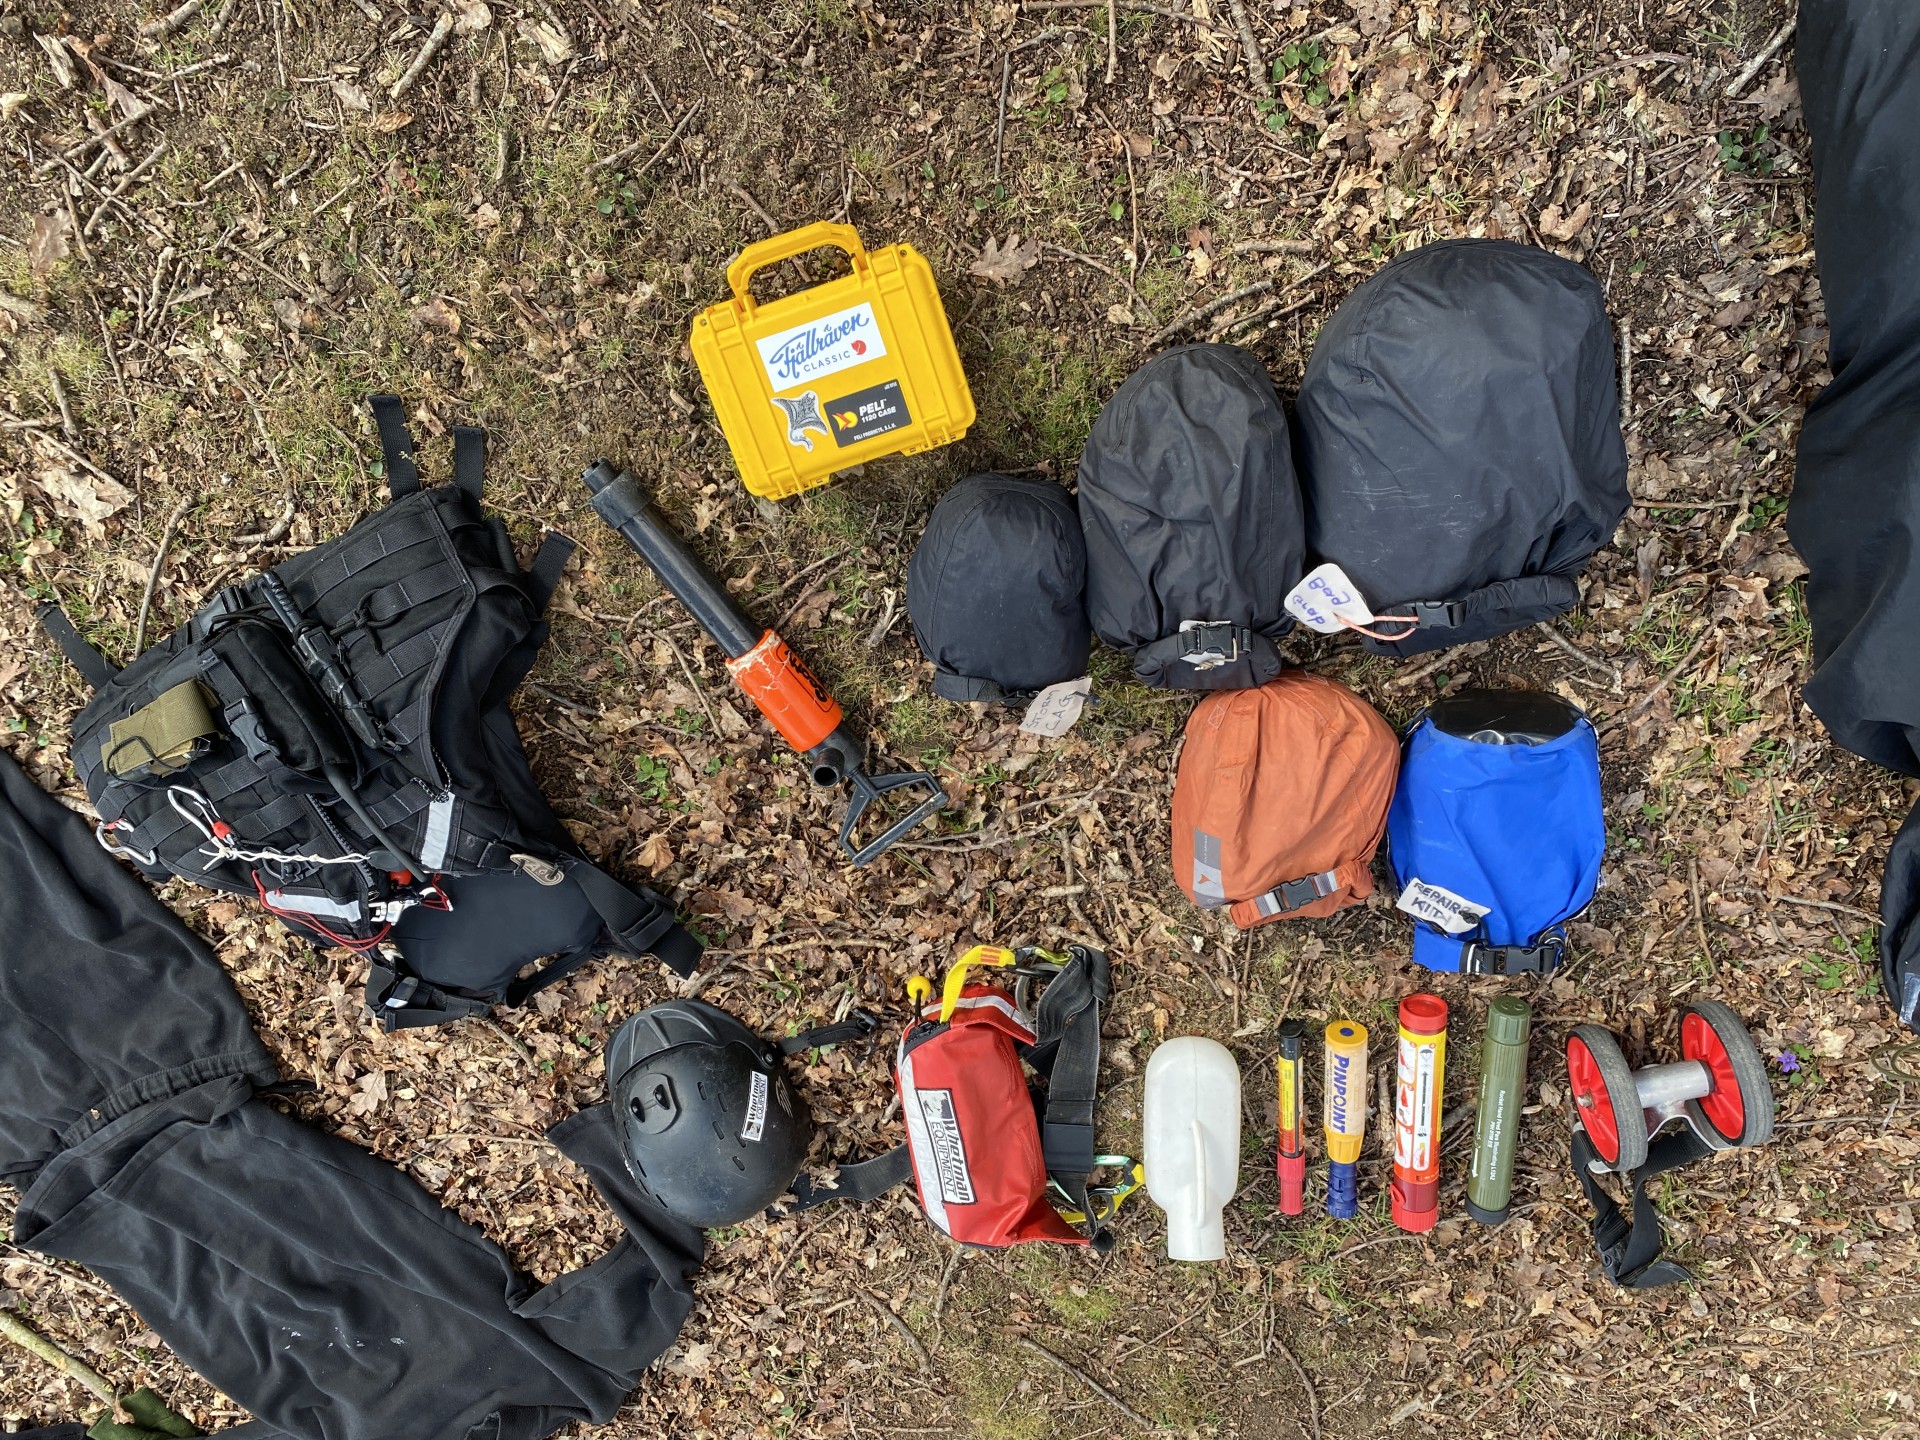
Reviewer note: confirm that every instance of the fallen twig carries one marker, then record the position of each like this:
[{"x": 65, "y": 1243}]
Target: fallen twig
[
  {"x": 171, "y": 21},
  {"x": 1277, "y": 310},
  {"x": 946, "y": 1279},
  {"x": 1546, "y": 628},
  {"x": 1250, "y": 47},
  {"x": 1066, "y": 1367},
  {"x": 1640, "y": 705},
  {"x": 1313, "y": 1396},
  {"x": 1212, "y": 307},
  {"x": 1653, "y": 57},
  {"x": 80, "y": 147},
  {"x": 34, "y": 1343},
  {"x": 1835, "y": 906},
  {"x": 745, "y": 197},
  {"x": 665, "y": 145},
  {"x": 153, "y": 575},
  {"x": 1759, "y": 62},
  {"x": 1000, "y": 125},
  {"x": 1277, "y": 247},
  {"x": 880, "y": 1308},
  {"x": 442, "y": 28},
  {"x": 1165, "y": 11}
]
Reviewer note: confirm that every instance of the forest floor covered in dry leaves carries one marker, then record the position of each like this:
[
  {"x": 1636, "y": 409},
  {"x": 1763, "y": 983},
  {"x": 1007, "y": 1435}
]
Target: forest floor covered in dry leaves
[{"x": 284, "y": 215}]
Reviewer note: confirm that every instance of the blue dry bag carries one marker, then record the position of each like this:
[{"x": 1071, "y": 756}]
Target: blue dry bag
[{"x": 1496, "y": 831}]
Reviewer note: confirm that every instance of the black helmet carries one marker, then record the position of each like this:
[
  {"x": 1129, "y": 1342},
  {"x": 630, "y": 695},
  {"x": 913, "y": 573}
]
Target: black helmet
[{"x": 711, "y": 1128}]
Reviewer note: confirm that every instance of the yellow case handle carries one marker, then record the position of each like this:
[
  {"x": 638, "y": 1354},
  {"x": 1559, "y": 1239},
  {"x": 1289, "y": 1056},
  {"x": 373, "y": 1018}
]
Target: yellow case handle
[
  {"x": 957, "y": 976},
  {"x": 821, "y": 234}
]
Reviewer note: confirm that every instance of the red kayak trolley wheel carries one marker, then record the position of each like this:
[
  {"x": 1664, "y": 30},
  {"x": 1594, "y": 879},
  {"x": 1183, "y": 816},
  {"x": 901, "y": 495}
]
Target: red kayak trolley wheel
[
  {"x": 1604, "y": 1098},
  {"x": 1738, "y": 1109}
]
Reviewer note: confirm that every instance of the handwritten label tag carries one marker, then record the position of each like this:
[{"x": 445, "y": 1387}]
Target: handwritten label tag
[
  {"x": 1055, "y": 708},
  {"x": 1441, "y": 908},
  {"x": 1328, "y": 601}
]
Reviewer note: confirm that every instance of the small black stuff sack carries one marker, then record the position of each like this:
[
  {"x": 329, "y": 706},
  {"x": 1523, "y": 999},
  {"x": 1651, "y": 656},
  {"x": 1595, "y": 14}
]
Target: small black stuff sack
[
  {"x": 1192, "y": 517},
  {"x": 997, "y": 590},
  {"x": 1458, "y": 434}
]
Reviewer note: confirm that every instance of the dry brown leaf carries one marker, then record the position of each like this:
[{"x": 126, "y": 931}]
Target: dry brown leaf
[
  {"x": 1776, "y": 97},
  {"x": 1563, "y": 227},
  {"x": 393, "y": 120},
  {"x": 656, "y": 855},
  {"x": 49, "y": 243},
  {"x": 474, "y": 17},
  {"x": 440, "y": 315},
  {"x": 1003, "y": 263},
  {"x": 556, "y": 46},
  {"x": 352, "y": 97},
  {"x": 1374, "y": 17},
  {"x": 369, "y": 1094},
  {"x": 84, "y": 496},
  {"x": 1140, "y": 145}
]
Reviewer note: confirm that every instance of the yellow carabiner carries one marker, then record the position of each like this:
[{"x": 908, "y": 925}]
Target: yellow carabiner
[
  {"x": 1109, "y": 1196},
  {"x": 957, "y": 974}
]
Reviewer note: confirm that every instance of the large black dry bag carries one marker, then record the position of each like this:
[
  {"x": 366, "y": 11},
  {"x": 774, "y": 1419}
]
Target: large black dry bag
[
  {"x": 1192, "y": 518},
  {"x": 1458, "y": 439}
]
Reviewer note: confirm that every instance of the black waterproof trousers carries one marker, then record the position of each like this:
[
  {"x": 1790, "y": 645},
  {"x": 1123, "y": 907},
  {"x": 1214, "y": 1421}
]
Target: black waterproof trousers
[
  {"x": 1855, "y": 515},
  {"x": 312, "y": 1282}
]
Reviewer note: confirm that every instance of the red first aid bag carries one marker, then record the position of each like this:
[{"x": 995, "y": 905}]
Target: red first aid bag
[
  {"x": 972, "y": 1134},
  {"x": 990, "y": 1155}
]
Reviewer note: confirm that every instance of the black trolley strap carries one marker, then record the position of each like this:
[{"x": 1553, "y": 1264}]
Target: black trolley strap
[
  {"x": 1630, "y": 1244},
  {"x": 396, "y": 445},
  {"x": 94, "y": 667}
]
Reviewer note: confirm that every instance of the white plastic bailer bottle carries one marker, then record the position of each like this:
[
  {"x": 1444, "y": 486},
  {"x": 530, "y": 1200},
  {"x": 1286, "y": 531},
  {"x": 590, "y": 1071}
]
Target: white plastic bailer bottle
[{"x": 1192, "y": 1142}]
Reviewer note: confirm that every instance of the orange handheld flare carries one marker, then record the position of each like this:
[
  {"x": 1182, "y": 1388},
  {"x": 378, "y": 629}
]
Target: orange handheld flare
[{"x": 1416, "y": 1112}]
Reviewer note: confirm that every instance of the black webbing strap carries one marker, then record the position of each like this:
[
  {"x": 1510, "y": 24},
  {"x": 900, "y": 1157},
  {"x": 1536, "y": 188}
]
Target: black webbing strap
[
  {"x": 1067, "y": 1021},
  {"x": 558, "y": 968},
  {"x": 1630, "y": 1245},
  {"x": 857, "y": 1026},
  {"x": 640, "y": 922},
  {"x": 867, "y": 1180},
  {"x": 94, "y": 667},
  {"x": 543, "y": 575},
  {"x": 403, "y": 1001},
  {"x": 470, "y": 459},
  {"x": 396, "y": 445}
]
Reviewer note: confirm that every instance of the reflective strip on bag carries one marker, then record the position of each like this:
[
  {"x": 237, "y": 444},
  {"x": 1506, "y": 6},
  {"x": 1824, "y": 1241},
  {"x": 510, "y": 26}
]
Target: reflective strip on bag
[
  {"x": 439, "y": 829},
  {"x": 324, "y": 906},
  {"x": 1208, "y": 881}
]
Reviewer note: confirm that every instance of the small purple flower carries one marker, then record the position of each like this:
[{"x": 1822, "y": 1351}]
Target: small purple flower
[{"x": 1788, "y": 1062}]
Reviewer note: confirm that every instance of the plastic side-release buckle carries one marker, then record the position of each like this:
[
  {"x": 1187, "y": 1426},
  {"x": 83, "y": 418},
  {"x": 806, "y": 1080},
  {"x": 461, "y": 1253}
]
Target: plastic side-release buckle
[
  {"x": 1479, "y": 958},
  {"x": 1437, "y": 614},
  {"x": 1205, "y": 644},
  {"x": 1293, "y": 894}
]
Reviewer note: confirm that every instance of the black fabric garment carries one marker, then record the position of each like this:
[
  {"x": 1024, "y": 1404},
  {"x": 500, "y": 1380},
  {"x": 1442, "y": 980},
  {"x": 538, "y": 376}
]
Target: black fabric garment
[
  {"x": 314, "y": 1283},
  {"x": 1192, "y": 516},
  {"x": 1458, "y": 437},
  {"x": 997, "y": 590},
  {"x": 1855, "y": 513}
]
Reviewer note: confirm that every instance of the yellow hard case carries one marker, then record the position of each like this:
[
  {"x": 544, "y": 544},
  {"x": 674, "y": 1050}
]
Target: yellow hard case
[{"x": 832, "y": 376}]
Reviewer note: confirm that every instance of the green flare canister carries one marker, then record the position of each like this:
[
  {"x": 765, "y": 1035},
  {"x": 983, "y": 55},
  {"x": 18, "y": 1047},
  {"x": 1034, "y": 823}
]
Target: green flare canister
[{"x": 1503, "y": 1089}]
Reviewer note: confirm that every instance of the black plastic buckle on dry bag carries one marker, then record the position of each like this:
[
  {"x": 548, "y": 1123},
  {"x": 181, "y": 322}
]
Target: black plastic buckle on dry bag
[
  {"x": 1435, "y": 614},
  {"x": 1479, "y": 958},
  {"x": 1207, "y": 643}
]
